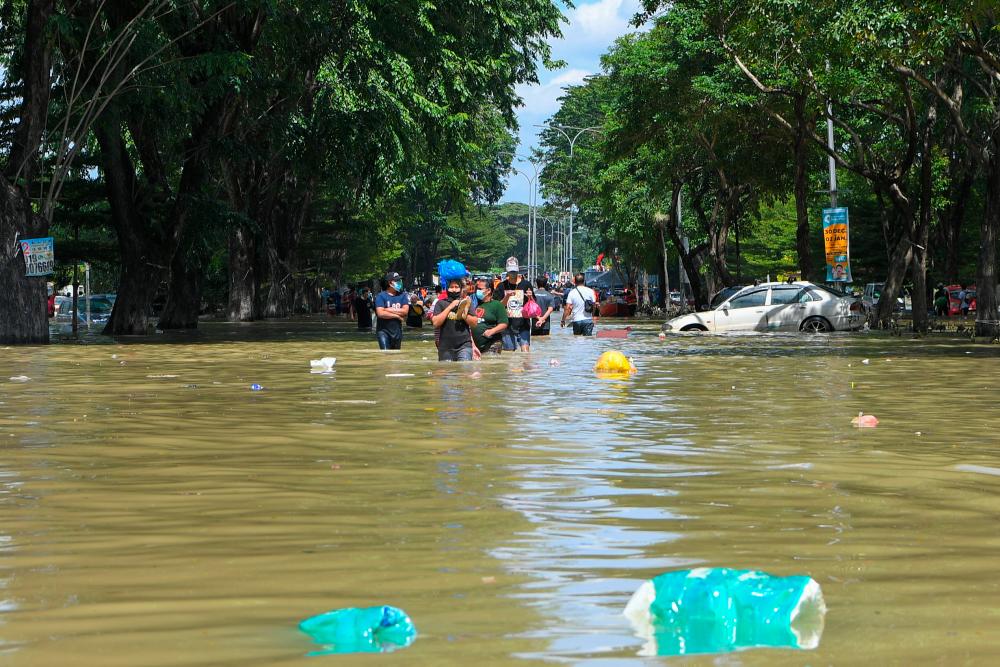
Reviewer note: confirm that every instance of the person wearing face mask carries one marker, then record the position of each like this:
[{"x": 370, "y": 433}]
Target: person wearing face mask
[
  {"x": 492, "y": 316},
  {"x": 391, "y": 309},
  {"x": 456, "y": 336},
  {"x": 510, "y": 293}
]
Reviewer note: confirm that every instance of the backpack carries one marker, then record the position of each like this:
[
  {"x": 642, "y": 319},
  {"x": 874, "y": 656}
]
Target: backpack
[{"x": 588, "y": 304}]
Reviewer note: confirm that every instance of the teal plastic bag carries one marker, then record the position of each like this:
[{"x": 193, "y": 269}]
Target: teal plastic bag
[
  {"x": 360, "y": 630},
  {"x": 717, "y": 610}
]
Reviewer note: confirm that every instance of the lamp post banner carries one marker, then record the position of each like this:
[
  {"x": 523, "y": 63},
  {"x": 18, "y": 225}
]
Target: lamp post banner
[
  {"x": 39, "y": 257},
  {"x": 836, "y": 235}
]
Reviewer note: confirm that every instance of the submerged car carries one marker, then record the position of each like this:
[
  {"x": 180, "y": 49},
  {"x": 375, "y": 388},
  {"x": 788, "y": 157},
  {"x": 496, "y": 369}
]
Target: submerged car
[
  {"x": 798, "y": 306},
  {"x": 100, "y": 309}
]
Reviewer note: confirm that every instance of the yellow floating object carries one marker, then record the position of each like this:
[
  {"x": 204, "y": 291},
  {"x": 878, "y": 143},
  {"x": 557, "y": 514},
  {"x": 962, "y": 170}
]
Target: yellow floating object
[{"x": 614, "y": 361}]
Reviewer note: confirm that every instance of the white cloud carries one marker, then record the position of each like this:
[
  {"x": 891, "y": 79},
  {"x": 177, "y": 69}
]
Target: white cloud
[
  {"x": 604, "y": 20},
  {"x": 591, "y": 29},
  {"x": 543, "y": 99}
]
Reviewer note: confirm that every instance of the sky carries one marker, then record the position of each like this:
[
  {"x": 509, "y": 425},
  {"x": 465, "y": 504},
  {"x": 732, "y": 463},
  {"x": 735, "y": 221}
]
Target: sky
[{"x": 591, "y": 29}]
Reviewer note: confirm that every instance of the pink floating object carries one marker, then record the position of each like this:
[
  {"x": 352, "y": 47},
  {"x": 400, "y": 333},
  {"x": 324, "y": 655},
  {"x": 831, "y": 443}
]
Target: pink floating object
[
  {"x": 614, "y": 333},
  {"x": 865, "y": 421},
  {"x": 476, "y": 375},
  {"x": 553, "y": 362}
]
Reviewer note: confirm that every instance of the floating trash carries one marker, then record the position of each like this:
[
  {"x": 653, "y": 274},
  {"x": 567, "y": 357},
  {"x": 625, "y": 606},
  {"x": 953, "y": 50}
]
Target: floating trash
[
  {"x": 717, "y": 610},
  {"x": 661, "y": 336},
  {"x": 866, "y": 361},
  {"x": 19, "y": 378},
  {"x": 614, "y": 333},
  {"x": 865, "y": 421},
  {"x": 399, "y": 375},
  {"x": 256, "y": 387},
  {"x": 360, "y": 630},
  {"x": 553, "y": 362},
  {"x": 614, "y": 363},
  {"x": 324, "y": 365}
]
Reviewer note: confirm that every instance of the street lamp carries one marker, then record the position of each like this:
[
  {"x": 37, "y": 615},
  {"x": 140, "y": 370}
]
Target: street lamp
[
  {"x": 552, "y": 233},
  {"x": 596, "y": 129},
  {"x": 532, "y": 204}
]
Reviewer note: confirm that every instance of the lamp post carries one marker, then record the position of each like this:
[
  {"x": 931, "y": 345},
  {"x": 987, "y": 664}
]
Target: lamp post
[
  {"x": 532, "y": 205},
  {"x": 547, "y": 220},
  {"x": 572, "y": 143}
]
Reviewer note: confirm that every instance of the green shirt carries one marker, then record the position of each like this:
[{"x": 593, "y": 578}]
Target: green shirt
[{"x": 490, "y": 314}]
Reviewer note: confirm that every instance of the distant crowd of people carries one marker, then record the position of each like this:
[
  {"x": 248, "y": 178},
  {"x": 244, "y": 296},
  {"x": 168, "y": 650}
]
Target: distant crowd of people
[{"x": 485, "y": 315}]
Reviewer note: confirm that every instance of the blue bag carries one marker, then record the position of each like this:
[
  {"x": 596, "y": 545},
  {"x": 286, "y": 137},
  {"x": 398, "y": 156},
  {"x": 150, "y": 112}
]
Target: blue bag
[
  {"x": 716, "y": 610},
  {"x": 449, "y": 269},
  {"x": 367, "y": 630}
]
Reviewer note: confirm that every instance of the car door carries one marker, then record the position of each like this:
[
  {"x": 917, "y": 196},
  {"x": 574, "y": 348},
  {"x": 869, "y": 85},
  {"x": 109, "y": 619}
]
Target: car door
[
  {"x": 744, "y": 312},
  {"x": 790, "y": 305}
]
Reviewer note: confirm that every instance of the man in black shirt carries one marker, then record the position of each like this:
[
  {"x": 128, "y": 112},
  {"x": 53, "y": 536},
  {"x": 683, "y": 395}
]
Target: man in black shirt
[
  {"x": 510, "y": 293},
  {"x": 540, "y": 326}
]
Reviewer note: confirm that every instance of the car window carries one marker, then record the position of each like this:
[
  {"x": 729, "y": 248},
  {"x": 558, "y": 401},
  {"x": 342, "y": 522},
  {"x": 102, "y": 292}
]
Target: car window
[
  {"x": 837, "y": 293},
  {"x": 749, "y": 300},
  {"x": 784, "y": 295}
]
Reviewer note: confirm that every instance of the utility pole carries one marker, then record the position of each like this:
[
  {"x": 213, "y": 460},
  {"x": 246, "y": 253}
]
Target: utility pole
[
  {"x": 829, "y": 143},
  {"x": 532, "y": 205},
  {"x": 832, "y": 162}
]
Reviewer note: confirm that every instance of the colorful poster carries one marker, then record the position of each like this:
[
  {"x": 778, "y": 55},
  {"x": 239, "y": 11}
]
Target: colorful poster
[
  {"x": 515, "y": 303},
  {"x": 39, "y": 256},
  {"x": 836, "y": 235}
]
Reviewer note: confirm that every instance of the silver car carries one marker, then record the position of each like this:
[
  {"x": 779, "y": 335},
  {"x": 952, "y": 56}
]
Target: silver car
[{"x": 798, "y": 306}]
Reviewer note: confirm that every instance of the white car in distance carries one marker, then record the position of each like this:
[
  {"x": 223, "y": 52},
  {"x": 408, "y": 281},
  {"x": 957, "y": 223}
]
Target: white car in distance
[{"x": 798, "y": 306}]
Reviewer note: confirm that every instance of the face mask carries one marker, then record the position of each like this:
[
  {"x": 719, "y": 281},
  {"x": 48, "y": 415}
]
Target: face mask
[
  {"x": 454, "y": 294},
  {"x": 480, "y": 294},
  {"x": 398, "y": 286}
]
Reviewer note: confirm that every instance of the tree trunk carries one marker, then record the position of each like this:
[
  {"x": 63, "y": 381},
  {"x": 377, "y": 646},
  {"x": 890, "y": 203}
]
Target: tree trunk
[
  {"x": 899, "y": 259},
  {"x": 183, "y": 292},
  {"x": 663, "y": 294},
  {"x": 802, "y": 233},
  {"x": 23, "y": 306},
  {"x": 242, "y": 277},
  {"x": 951, "y": 223},
  {"x": 986, "y": 275},
  {"x": 140, "y": 250},
  {"x": 921, "y": 232}
]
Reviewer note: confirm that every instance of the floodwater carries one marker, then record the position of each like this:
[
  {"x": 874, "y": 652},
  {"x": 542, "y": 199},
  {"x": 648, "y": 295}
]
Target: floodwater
[{"x": 156, "y": 511}]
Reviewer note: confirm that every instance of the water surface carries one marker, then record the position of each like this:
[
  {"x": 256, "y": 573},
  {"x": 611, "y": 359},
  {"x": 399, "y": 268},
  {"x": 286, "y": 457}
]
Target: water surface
[{"x": 158, "y": 512}]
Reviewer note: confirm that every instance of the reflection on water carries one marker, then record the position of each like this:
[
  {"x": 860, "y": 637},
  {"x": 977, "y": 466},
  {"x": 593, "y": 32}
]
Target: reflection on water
[{"x": 157, "y": 511}]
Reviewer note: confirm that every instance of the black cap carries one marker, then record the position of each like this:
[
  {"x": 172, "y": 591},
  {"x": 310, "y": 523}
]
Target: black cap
[{"x": 392, "y": 275}]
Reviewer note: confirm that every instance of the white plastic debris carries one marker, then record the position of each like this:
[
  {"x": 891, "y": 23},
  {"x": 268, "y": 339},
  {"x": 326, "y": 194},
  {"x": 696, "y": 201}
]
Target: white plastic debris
[
  {"x": 324, "y": 365},
  {"x": 19, "y": 378}
]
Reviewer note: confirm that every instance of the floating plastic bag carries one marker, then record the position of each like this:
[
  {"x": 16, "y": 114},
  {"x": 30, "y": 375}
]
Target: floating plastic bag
[
  {"x": 865, "y": 421},
  {"x": 324, "y": 365},
  {"x": 449, "y": 269},
  {"x": 360, "y": 630},
  {"x": 716, "y": 610},
  {"x": 614, "y": 362}
]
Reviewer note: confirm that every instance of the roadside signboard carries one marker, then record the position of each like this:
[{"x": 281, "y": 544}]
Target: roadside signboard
[
  {"x": 836, "y": 235},
  {"x": 39, "y": 257}
]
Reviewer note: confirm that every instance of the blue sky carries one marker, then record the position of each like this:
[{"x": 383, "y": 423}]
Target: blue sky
[{"x": 591, "y": 28}]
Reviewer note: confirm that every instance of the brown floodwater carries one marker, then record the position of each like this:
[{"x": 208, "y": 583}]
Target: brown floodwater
[{"x": 156, "y": 511}]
